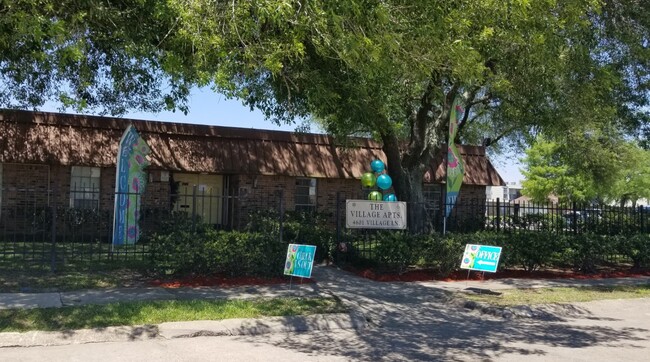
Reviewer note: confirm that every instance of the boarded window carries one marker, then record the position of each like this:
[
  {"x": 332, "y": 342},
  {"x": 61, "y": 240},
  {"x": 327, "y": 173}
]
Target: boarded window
[
  {"x": 84, "y": 187},
  {"x": 305, "y": 194}
]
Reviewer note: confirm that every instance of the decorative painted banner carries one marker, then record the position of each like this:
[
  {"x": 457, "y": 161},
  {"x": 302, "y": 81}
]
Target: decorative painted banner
[
  {"x": 300, "y": 260},
  {"x": 130, "y": 183},
  {"x": 364, "y": 214},
  {"x": 481, "y": 257},
  {"x": 455, "y": 167}
]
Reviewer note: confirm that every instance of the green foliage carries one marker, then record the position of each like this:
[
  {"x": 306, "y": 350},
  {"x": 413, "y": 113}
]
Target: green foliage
[
  {"x": 206, "y": 251},
  {"x": 155, "y": 312},
  {"x": 298, "y": 228},
  {"x": 585, "y": 251},
  {"x": 530, "y": 250},
  {"x": 615, "y": 169},
  {"x": 101, "y": 56},
  {"x": 533, "y": 250},
  {"x": 373, "y": 67},
  {"x": 396, "y": 251},
  {"x": 441, "y": 253},
  {"x": 547, "y": 174},
  {"x": 242, "y": 253},
  {"x": 637, "y": 248}
]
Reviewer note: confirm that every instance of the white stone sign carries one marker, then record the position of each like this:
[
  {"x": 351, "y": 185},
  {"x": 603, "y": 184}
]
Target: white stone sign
[{"x": 364, "y": 214}]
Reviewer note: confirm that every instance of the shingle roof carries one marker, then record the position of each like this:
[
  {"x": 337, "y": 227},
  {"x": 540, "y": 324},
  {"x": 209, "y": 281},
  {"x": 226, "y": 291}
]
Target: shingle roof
[{"x": 55, "y": 138}]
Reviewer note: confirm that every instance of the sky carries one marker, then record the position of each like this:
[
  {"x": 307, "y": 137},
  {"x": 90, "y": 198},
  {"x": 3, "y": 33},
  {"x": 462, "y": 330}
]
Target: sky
[{"x": 207, "y": 107}]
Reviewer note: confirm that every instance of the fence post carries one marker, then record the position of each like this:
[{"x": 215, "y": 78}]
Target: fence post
[
  {"x": 575, "y": 218},
  {"x": 498, "y": 214},
  {"x": 53, "y": 239},
  {"x": 194, "y": 208},
  {"x": 281, "y": 207},
  {"x": 641, "y": 214},
  {"x": 338, "y": 218}
]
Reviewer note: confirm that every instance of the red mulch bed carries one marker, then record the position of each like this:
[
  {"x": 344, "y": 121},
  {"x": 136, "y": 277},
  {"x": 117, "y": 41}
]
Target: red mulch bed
[
  {"x": 461, "y": 275},
  {"x": 224, "y": 281}
]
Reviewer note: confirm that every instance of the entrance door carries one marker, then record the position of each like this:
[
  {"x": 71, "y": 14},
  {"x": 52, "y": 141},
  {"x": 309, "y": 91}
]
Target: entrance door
[{"x": 200, "y": 195}]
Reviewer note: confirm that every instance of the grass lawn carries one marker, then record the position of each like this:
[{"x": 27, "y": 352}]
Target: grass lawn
[
  {"x": 561, "y": 295},
  {"x": 31, "y": 282},
  {"x": 155, "y": 312}
]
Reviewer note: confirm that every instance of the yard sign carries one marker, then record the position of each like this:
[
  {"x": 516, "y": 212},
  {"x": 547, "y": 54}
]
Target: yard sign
[
  {"x": 131, "y": 180},
  {"x": 455, "y": 167},
  {"x": 300, "y": 260},
  {"x": 481, "y": 257}
]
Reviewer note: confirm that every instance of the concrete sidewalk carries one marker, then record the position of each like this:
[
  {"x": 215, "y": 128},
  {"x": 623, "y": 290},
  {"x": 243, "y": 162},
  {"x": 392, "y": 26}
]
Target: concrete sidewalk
[{"x": 105, "y": 296}]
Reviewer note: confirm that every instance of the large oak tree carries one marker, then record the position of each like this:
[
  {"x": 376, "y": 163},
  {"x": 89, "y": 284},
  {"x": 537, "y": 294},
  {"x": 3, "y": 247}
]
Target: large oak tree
[{"x": 386, "y": 68}]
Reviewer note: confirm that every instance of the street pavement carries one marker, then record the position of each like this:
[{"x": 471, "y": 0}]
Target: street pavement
[{"x": 404, "y": 321}]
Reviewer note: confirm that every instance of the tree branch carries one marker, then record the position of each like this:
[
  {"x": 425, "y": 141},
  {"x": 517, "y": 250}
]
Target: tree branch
[{"x": 493, "y": 141}]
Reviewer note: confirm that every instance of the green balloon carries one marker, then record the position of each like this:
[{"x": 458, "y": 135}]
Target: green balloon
[
  {"x": 368, "y": 179},
  {"x": 375, "y": 196}
]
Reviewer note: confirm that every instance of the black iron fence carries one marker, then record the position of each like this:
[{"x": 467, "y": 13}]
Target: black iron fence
[
  {"x": 567, "y": 218},
  {"x": 474, "y": 215},
  {"x": 48, "y": 229},
  {"x": 471, "y": 215}
]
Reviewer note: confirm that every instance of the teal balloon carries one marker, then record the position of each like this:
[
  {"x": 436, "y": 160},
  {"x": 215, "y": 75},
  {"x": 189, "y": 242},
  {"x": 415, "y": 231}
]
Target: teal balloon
[
  {"x": 377, "y": 166},
  {"x": 375, "y": 196},
  {"x": 384, "y": 182},
  {"x": 390, "y": 197},
  {"x": 368, "y": 179}
]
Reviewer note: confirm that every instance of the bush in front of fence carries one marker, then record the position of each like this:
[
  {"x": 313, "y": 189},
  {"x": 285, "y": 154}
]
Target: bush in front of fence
[
  {"x": 440, "y": 253},
  {"x": 209, "y": 252},
  {"x": 637, "y": 248},
  {"x": 184, "y": 245},
  {"x": 308, "y": 228},
  {"x": 397, "y": 251}
]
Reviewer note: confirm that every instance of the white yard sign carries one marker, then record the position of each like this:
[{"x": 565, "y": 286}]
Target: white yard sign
[{"x": 364, "y": 214}]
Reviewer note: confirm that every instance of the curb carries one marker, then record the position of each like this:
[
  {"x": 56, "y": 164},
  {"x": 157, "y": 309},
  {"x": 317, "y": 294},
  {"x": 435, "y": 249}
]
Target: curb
[{"x": 170, "y": 330}]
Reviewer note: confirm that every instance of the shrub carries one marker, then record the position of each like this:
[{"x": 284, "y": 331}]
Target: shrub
[
  {"x": 179, "y": 252},
  {"x": 245, "y": 254},
  {"x": 442, "y": 254},
  {"x": 298, "y": 228},
  {"x": 586, "y": 250},
  {"x": 395, "y": 250},
  {"x": 532, "y": 250},
  {"x": 637, "y": 248},
  {"x": 185, "y": 246}
]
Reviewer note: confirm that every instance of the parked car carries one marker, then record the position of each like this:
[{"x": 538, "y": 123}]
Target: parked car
[{"x": 582, "y": 216}]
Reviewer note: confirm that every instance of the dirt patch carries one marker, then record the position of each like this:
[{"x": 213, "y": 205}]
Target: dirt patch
[
  {"x": 419, "y": 275},
  {"x": 223, "y": 281}
]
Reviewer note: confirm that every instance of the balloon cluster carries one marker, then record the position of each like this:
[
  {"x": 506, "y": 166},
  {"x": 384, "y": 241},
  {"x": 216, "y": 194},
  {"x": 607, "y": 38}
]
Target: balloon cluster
[{"x": 380, "y": 179}]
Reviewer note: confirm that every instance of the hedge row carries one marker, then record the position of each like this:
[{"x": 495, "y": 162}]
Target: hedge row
[
  {"x": 396, "y": 251},
  {"x": 184, "y": 246}
]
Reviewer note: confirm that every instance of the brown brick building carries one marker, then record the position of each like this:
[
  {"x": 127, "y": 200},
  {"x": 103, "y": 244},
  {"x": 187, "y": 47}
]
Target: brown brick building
[{"x": 219, "y": 172}]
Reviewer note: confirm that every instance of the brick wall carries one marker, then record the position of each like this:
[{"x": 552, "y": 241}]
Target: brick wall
[
  {"x": 25, "y": 185},
  {"x": 254, "y": 192}
]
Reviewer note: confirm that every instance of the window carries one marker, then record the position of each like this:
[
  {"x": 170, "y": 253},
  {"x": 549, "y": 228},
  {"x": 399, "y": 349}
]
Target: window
[
  {"x": 432, "y": 196},
  {"x": 305, "y": 194},
  {"x": 84, "y": 187}
]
